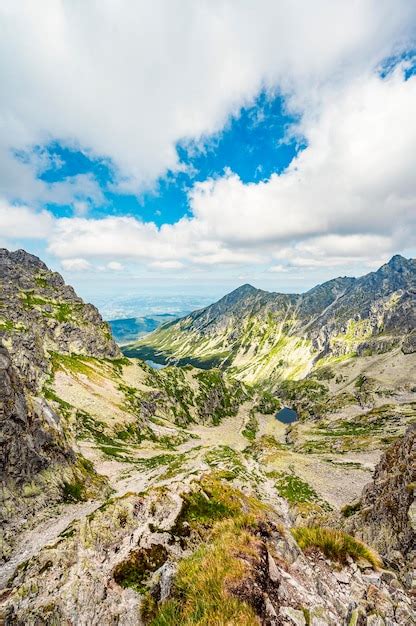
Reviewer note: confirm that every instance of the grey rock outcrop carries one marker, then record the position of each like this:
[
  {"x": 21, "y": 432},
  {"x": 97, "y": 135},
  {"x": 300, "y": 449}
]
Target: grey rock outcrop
[
  {"x": 40, "y": 314},
  {"x": 30, "y": 436},
  {"x": 387, "y": 515}
]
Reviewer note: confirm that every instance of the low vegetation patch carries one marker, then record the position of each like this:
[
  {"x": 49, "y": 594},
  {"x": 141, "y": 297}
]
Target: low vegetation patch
[
  {"x": 350, "y": 509},
  {"x": 74, "y": 491},
  {"x": 293, "y": 488},
  {"x": 134, "y": 571},
  {"x": 202, "y": 588},
  {"x": 200, "y": 594},
  {"x": 267, "y": 404},
  {"x": 213, "y": 501},
  {"x": 224, "y": 457},
  {"x": 251, "y": 427},
  {"x": 335, "y": 544}
]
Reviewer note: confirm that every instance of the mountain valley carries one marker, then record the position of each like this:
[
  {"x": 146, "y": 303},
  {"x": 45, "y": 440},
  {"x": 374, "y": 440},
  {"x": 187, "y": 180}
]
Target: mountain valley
[{"x": 132, "y": 495}]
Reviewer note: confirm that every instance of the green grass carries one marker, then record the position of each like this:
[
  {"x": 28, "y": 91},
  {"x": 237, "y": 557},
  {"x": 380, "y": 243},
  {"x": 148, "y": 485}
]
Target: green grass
[
  {"x": 73, "y": 492},
  {"x": 64, "y": 407},
  {"x": 251, "y": 428},
  {"x": 75, "y": 364},
  {"x": 41, "y": 281},
  {"x": 200, "y": 586},
  {"x": 8, "y": 326},
  {"x": 200, "y": 593},
  {"x": 215, "y": 500},
  {"x": 224, "y": 457},
  {"x": 335, "y": 544},
  {"x": 294, "y": 489},
  {"x": 64, "y": 312},
  {"x": 29, "y": 300}
]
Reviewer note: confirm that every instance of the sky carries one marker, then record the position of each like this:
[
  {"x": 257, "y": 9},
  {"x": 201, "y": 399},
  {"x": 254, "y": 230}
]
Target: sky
[{"x": 184, "y": 148}]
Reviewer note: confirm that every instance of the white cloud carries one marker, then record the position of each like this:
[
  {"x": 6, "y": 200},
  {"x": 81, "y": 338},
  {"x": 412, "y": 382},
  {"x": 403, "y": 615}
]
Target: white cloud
[
  {"x": 75, "y": 265},
  {"x": 125, "y": 82},
  {"x": 115, "y": 266},
  {"x": 24, "y": 222},
  {"x": 351, "y": 194},
  {"x": 178, "y": 71}
]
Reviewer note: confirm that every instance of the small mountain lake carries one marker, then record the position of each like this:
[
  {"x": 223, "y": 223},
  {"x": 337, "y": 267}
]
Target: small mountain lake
[
  {"x": 286, "y": 415},
  {"x": 156, "y": 366}
]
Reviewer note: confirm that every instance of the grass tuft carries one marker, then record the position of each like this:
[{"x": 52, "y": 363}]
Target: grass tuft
[
  {"x": 201, "y": 588},
  {"x": 336, "y": 544}
]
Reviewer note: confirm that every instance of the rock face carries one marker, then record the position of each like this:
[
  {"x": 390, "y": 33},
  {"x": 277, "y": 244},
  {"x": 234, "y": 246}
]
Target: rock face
[
  {"x": 30, "y": 435},
  {"x": 40, "y": 314},
  {"x": 261, "y": 335},
  {"x": 387, "y": 515}
]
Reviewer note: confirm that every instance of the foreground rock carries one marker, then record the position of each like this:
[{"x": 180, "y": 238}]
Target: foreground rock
[
  {"x": 145, "y": 557},
  {"x": 387, "y": 511}
]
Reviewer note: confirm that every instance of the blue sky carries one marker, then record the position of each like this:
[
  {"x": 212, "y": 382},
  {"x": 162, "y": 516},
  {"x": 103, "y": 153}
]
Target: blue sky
[
  {"x": 252, "y": 144},
  {"x": 192, "y": 149}
]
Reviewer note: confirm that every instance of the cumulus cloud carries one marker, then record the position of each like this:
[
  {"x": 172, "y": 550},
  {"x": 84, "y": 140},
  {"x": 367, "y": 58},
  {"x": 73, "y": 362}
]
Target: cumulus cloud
[
  {"x": 127, "y": 83},
  {"x": 351, "y": 194},
  {"x": 76, "y": 265},
  {"x": 24, "y": 222},
  {"x": 178, "y": 72}
]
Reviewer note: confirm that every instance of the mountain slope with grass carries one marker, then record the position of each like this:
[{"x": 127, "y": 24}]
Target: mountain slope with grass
[
  {"x": 263, "y": 337},
  {"x": 64, "y": 384},
  {"x": 134, "y": 496}
]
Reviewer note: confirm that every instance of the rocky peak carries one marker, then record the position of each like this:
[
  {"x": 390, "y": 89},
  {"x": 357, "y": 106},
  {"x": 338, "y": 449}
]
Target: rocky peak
[
  {"x": 40, "y": 314},
  {"x": 398, "y": 262},
  {"x": 398, "y": 273},
  {"x": 21, "y": 257}
]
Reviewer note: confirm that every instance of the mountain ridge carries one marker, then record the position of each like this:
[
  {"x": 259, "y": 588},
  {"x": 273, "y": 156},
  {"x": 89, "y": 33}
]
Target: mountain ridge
[{"x": 257, "y": 333}]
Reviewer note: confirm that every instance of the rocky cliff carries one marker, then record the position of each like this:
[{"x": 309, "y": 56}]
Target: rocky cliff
[
  {"x": 387, "y": 510},
  {"x": 40, "y": 314}
]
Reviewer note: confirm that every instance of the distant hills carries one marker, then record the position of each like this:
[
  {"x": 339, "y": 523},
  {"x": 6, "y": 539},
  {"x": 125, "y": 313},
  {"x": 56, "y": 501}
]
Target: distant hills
[{"x": 129, "y": 329}]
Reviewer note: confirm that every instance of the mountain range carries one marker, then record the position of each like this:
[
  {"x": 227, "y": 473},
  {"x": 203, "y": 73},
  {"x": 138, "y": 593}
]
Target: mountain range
[{"x": 263, "y": 337}]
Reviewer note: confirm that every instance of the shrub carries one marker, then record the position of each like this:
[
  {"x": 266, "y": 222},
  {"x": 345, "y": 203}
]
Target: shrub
[
  {"x": 350, "y": 509},
  {"x": 73, "y": 492},
  {"x": 134, "y": 571},
  {"x": 335, "y": 544}
]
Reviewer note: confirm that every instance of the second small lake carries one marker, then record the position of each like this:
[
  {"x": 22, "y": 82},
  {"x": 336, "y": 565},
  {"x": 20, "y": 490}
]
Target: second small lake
[{"x": 286, "y": 415}]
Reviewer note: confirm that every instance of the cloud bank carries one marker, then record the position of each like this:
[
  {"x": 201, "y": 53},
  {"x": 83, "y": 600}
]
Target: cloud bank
[{"x": 126, "y": 82}]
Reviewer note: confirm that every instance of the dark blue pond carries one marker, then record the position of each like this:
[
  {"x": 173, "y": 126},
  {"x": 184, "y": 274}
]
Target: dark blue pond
[{"x": 286, "y": 415}]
